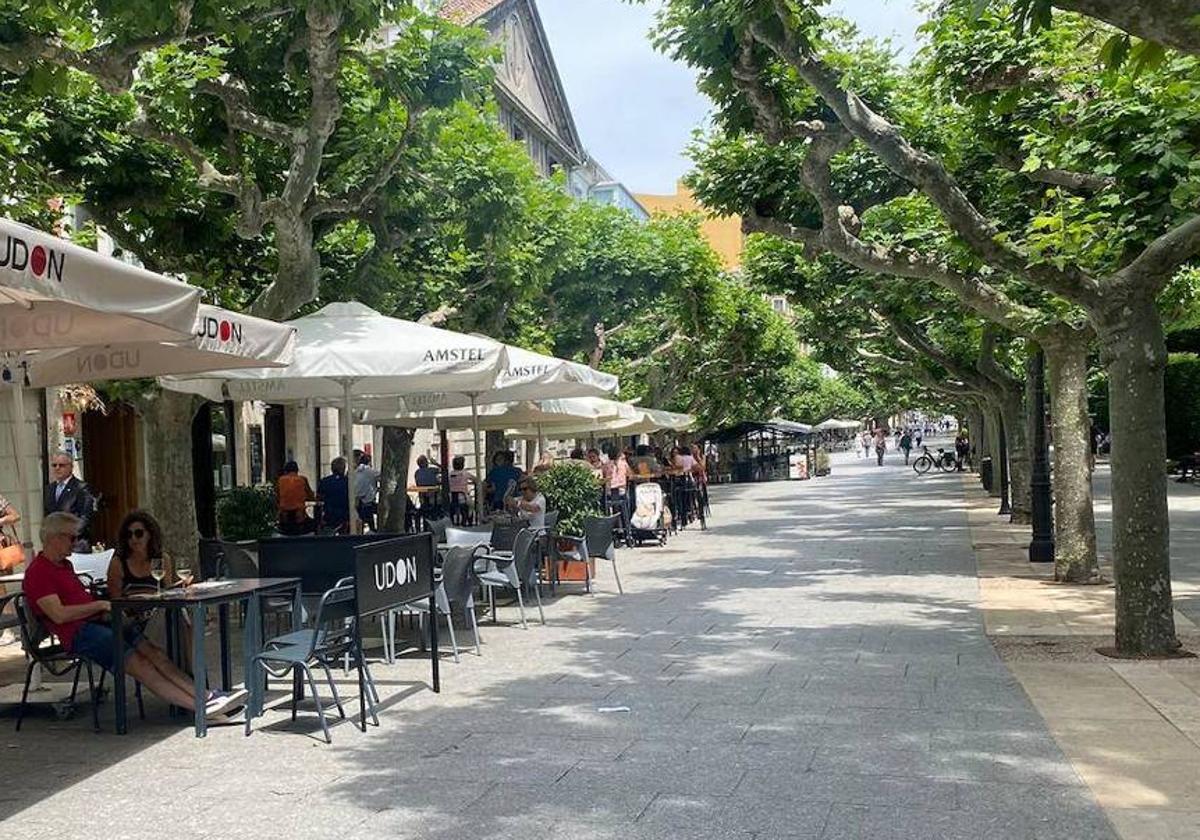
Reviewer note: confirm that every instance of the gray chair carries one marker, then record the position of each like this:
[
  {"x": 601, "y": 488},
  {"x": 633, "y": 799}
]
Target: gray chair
[
  {"x": 438, "y": 527},
  {"x": 330, "y": 638},
  {"x": 597, "y": 543},
  {"x": 457, "y": 586},
  {"x": 503, "y": 535},
  {"x": 515, "y": 571},
  {"x": 237, "y": 563}
]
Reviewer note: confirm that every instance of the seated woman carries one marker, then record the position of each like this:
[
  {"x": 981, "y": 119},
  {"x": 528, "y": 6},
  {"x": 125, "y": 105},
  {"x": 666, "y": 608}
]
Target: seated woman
[
  {"x": 531, "y": 505},
  {"x": 139, "y": 543},
  {"x": 8, "y": 518},
  {"x": 292, "y": 491},
  {"x": 66, "y": 609},
  {"x": 139, "y": 540},
  {"x": 461, "y": 480}
]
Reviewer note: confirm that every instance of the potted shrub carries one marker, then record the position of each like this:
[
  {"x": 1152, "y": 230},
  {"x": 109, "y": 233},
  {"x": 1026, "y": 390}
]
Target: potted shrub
[
  {"x": 247, "y": 514},
  {"x": 572, "y": 489}
]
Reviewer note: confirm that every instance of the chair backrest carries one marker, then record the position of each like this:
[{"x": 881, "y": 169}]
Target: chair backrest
[
  {"x": 438, "y": 527},
  {"x": 458, "y": 572},
  {"x": 526, "y": 555},
  {"x": 598, "y": 535},
  {"x": 236, "y": 562},
  {"x": 335, "y": 615},
  {"x": 551, "y": 521},
  {"x": 33, "y": 633},
  {"x": 504, "y": 534},
  {"x": 210, "y": 553}
]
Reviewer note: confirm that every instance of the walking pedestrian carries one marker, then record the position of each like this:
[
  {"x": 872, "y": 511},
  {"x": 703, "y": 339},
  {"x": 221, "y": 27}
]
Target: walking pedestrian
[
  {"x": 880, "y": 446},
  {"x": 962, "y": 449},
  {"x": 906, "y": 443},
  {"x": 865, "y": 440}
]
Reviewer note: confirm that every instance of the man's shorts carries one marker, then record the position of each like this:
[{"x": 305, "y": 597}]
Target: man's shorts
[{"x": 95, "y": 642}]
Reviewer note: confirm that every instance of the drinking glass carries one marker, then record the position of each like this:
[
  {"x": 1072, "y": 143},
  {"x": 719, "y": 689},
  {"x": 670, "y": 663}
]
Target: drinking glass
[
  {"x": 157, "y": 570},
  {"x": 185, "y": 576}
]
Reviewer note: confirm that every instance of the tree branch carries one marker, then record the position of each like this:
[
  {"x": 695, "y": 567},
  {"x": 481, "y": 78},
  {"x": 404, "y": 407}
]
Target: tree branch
[
  {"x": 323, "y": 46},
  {"x": 1159, "y": 261},
  {"x": 922, "y": 170},
  {"x": 1074, "y": 181},
  {"x": 1169, "y": 22},
  {"x": 239, "y": 114},
  {"x": 355, "y": 201}
]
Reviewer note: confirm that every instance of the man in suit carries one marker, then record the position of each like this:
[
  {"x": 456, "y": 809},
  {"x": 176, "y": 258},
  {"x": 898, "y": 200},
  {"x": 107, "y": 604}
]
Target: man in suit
[{"x": 68, "y": 494}]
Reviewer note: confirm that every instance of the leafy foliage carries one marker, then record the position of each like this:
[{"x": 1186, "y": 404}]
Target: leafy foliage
[
  {"x": 572, "y": 490},
  {"x": 246, "y": 513}
]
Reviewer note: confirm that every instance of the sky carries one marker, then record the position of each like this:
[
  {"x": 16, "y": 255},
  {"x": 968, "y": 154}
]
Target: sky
[{"x": 635, "y": 108}]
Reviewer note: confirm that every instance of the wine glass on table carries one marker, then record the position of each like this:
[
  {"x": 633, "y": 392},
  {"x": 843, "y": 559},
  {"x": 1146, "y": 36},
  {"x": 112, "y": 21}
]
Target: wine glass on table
[
  {"x": 158, "y": 569},
  {"x": 185, "y": 576}
]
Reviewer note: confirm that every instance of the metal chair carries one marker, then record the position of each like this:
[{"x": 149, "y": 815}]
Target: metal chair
[
  {"x": 438, "y": 527},
  {"x": 237, "y": 563},
  {"x": 515, "y": 571},
  {"x": 456, "y": 587},
  {"x": 503, "y": 536},
  {"x": 597, "y": 543},
  {"x": 57, "y": 661},
  {"x": 331, "y": 637}
]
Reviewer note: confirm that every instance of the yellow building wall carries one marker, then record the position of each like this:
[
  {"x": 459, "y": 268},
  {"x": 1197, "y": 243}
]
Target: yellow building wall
[{"x": 724, "y": 233}]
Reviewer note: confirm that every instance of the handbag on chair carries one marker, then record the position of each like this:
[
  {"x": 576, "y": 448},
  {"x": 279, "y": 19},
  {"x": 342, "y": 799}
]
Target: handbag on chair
[{"x": 12, "y": 553}]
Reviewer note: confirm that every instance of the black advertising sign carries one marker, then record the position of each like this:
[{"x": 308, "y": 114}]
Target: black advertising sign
[{"x": 393, "y": 572}]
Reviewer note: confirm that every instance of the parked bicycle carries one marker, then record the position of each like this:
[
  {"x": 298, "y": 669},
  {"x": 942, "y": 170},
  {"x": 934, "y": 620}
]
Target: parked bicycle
[{"x": 944, "y": 461}]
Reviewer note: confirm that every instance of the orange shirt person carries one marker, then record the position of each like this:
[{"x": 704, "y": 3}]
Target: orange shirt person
[{"x": 292, "y": 490}]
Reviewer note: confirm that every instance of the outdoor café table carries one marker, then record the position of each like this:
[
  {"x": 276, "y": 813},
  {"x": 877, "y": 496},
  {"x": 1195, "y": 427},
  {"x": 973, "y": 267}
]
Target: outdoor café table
[{"x": 196, "y": 599}]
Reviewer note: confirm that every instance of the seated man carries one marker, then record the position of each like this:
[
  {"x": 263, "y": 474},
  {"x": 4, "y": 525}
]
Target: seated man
[
  {"x": 65, "y": 608},
  {"x": 334, "y": 492}
]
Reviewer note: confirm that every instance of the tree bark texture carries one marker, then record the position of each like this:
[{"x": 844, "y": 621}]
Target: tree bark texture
[
  {"x": 1135, "y": 355},
  {"x": 1074, "y": 518},
  {"x": 393, "y": 478},
  {"x": 167, "y": 421},
  {"x": 1170, "y": 22},
  {"x": 978, "y": 436},
  {"x": 991, "y": 425},
  {"x": 1020, "y": 471}
]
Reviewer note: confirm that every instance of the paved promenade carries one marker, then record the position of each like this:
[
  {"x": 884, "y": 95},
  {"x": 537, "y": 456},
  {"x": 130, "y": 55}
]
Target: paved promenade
[{"x": 814, "y": 666}]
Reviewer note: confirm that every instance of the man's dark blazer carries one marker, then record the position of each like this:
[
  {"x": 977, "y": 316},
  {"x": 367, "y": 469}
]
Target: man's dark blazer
[{"x": 76, "y": 499}]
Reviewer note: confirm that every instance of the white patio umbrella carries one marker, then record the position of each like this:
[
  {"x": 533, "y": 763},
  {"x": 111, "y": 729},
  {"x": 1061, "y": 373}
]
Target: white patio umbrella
[
  {"x": 528, "y": 376},
  {"x": 54, "y": 294},
  {"x": 630, "y": 420},
  {"x": 219, "y": 339},
  {"x": 834, "y": 424},
  {"x": 347, "y": 352}
]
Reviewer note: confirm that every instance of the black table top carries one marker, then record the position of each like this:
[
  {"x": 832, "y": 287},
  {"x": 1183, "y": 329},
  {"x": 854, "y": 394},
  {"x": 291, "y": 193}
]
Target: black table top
[{"x": 228, "y": 590}]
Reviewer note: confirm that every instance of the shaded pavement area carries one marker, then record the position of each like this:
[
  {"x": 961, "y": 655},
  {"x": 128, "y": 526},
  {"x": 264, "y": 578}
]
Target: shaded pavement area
[{"x": 813, "y": 666}]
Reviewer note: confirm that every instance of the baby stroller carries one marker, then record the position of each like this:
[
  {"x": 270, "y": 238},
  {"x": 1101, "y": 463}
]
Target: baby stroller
[{"x": 647, "y": 522}]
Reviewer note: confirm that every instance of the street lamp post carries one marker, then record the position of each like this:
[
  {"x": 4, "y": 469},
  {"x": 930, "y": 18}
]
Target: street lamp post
[
  {"x": 1041, "y": 547},
  {"x": 1005, "y": 509}
]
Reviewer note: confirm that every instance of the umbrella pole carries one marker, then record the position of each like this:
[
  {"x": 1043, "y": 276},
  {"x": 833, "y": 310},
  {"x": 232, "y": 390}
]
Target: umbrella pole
[
  {"x": 478, "y": 458},
  {"x": 348, "y": 450},
  {"x": 27, "y": 499},
  {"x": 541, "y": 443}
]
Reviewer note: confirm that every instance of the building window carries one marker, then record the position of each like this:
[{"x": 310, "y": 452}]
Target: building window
[
  {"x": 780, "y": 304},
  {"x": 518, "y": 133}
]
